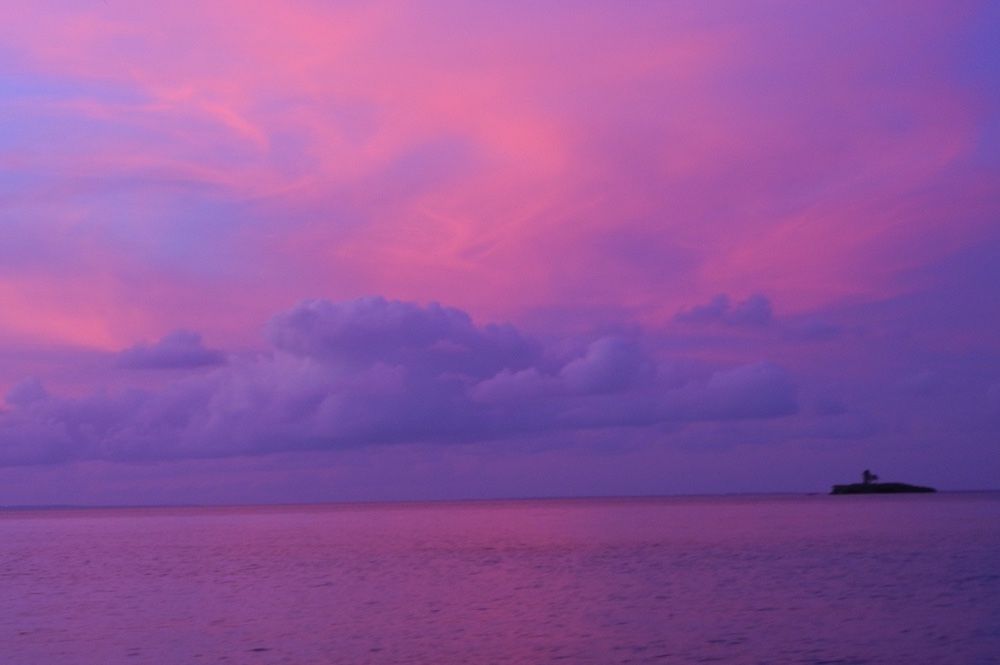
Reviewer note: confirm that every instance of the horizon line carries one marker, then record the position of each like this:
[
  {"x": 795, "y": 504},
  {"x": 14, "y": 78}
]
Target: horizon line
[{"x": 362, "y": 502}]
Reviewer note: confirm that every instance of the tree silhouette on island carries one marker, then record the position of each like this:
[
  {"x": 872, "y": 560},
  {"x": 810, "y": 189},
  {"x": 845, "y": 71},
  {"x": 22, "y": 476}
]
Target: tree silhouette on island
[{"x": 869, "y": 485}]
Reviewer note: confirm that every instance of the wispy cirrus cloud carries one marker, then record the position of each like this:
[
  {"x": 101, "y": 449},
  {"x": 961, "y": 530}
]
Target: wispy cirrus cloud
[{"x": 301, "y": 144}]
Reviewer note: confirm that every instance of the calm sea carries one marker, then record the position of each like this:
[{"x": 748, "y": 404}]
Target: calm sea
[{"x": 804, "y": 580}]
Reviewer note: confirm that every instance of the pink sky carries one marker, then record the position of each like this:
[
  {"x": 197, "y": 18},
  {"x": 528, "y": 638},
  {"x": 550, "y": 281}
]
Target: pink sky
[{"x": 581, "y": 171}]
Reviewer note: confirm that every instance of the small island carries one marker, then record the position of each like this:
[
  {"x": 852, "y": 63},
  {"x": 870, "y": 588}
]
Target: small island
[{"x": 869, "y": 485}]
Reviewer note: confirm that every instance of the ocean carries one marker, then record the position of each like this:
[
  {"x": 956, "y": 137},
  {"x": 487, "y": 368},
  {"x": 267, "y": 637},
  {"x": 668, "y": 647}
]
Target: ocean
[{"x": 905, "y": 579}]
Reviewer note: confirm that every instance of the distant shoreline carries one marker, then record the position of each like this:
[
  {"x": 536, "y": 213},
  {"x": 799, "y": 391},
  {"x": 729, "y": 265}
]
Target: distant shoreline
[{"x": 18, "y": 508}]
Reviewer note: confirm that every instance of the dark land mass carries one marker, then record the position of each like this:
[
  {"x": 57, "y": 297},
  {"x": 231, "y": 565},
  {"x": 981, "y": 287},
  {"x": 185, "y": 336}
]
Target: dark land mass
[{"x": 879, "y": 488}]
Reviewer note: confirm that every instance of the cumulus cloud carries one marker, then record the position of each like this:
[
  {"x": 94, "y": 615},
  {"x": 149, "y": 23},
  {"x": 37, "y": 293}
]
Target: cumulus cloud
[
  {"x": 434, "y": 338},
  {"x": 610, "y": 364},
  {"x": 758, "y": 390},
  {"x": 373, "y": 371},
  {"x": 180, "y": 349},
  {"x": 754, "y": 311},
  {"x": 508, "y": 386}
]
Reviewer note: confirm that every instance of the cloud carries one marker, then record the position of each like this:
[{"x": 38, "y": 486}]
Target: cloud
[
  {"x": 180, "y": 349},
  {"x": 757, "y": 313},
  {"x": 754, "y": 311},
  {"x": 371, "y": 372},
  {"x": 25, "y": 392},
  {"x": 923, "y": 382},
  {"x": 812, "y": 329},
  {"x": 205, "y": 183},
  {"x": 508, "y": 386},
  {"x": 758, "y": 390},
  {"x": 610, "y": 364},
  {"x": 361, "y": 332}
]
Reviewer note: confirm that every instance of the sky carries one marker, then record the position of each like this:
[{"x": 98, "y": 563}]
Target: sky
[{"x": 306, "y": 250}]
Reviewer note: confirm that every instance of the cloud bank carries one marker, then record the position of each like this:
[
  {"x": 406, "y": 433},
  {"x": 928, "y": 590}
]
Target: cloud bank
[{"x": 373, "y": 371}]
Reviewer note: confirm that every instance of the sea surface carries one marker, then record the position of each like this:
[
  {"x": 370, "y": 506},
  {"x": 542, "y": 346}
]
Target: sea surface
[{"x": 741, "y": 580}]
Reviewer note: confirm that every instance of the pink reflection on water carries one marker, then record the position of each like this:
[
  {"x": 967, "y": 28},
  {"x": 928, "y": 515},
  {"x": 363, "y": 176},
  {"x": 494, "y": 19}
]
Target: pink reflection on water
[{"x": 678, "y": 580}]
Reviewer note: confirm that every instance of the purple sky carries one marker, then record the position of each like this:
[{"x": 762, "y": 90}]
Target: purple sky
[{"x": 309, "y": 250}]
